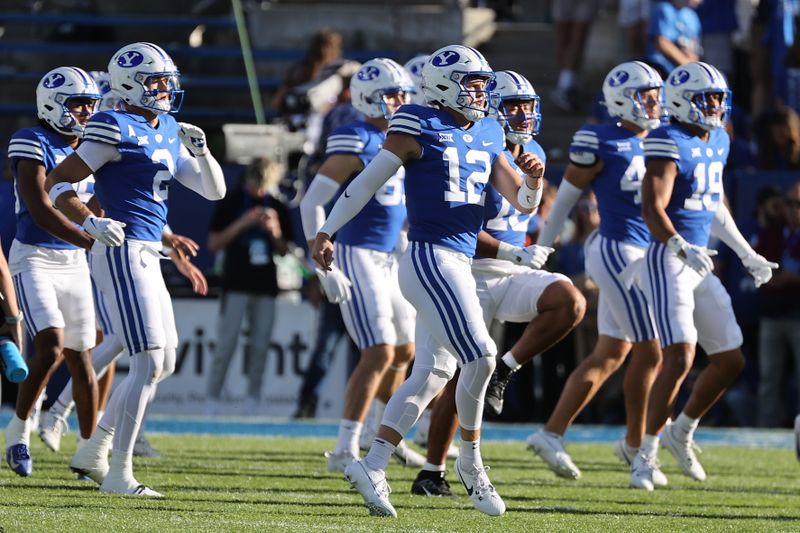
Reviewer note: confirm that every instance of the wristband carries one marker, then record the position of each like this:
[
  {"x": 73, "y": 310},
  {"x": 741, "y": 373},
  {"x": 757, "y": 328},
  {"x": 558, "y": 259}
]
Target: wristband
[
  {"x": 15, "y": 319},
  {"x": 58, "y": 189}
]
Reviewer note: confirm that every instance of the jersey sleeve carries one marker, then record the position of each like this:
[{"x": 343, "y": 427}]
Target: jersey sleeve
[
  {"x": 345, "y": 140},
  {"x": 103, "y": 127},
  {"x": 405, "y": 122},
  {"x": 584, "y": 147},
  {"x": 660, "y": 145},
  {"x": 26, "y": 145}
]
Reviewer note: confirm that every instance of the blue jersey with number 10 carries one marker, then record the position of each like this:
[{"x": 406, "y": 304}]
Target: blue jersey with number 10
[
  {"x": 445, "y": 187},
  {"x": 134, "y": 189},
  {"x": 378, "y": 225},
  {"x": 501, "y": 220},
  {"x": 618, "y": 185},
  {"x": 698, "y": 186}
]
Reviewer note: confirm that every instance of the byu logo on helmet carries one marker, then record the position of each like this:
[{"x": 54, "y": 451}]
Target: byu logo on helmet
[
  {"x": 369, "y": 73},
  {"x": 680, "y": 77},
  {"x": 618, "y": 78},
  {"x": 446, "y": 58},
  {"x": 54, "y": 80},
  {"x": 130, "y": 59}
]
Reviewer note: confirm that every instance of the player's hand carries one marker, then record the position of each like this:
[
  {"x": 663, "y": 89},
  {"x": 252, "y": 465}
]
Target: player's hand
[
  {"x": 193, "y": 138},
  {"x": 533, "y": 256},
  {"x": 14, "y": 331},
  {"x": 530, "y": 164},
  {"x": 758, "y": 267},
  {"x": 322, "y": 251},
  {"x": 190, "y": 272},
  {"x": 697, "y": 257},
  {"x": 335, "y": 285},
  {"x": 183, "y": 245},
  {"x": 106, "y": 230}
]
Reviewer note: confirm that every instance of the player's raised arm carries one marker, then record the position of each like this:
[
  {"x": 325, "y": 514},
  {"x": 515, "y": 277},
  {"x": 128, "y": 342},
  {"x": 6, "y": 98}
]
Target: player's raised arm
[
  {"x": 199, "y": 171},
  {"x": 524, "y": 193}
]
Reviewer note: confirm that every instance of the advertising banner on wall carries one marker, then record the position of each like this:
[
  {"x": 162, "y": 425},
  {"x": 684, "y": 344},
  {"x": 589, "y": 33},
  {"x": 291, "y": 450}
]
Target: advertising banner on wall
[{"x": 287, "y": 358}]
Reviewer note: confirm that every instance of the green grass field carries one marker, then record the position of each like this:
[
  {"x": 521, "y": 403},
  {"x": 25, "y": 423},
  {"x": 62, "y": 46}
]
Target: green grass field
[{"x": 270, "y": 484}]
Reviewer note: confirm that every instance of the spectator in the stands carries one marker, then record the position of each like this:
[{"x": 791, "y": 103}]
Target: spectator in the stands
[
  {"x": 674, "y": 35},
  {"x": 718, "y": 21},
  {"x": 573, "y": 20},
  {"x": 632, "y": 16},
  {"x": 250, "y": 225},
  {"x": 778, "y": 137}
]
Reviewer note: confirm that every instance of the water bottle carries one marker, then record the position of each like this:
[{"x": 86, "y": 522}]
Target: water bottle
[{"x": 13, "y": 365}]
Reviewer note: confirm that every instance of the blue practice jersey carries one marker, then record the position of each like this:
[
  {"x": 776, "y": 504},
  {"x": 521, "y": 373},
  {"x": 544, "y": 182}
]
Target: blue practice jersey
[
  {"x": 501, "y": 220},
  {"x": 698, "y": 185},
  {"x": 134, "y": 189},
  {"x": 378, "y": 225},
  {"x": 47, "y": 148},
  {"x": 619, "y": 183},
  {"x": 445, "y": 186}
]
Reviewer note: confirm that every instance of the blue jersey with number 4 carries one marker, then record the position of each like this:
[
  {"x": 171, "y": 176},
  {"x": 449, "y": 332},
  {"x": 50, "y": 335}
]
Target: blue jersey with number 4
[
  {"x": 134, "y": 189},
  {"x": 445, "y": 187},
  {"x": 47, "y": 148},
  {"x": 698, "y": 186},
  {"x": 501, "y": 220},
  {"x": 378, "y": 225},
  {"x": 618, "y": 185}
]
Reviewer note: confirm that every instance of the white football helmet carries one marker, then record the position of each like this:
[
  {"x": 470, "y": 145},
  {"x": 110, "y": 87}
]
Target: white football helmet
[
  {"x": 687, "y": 89},
  {"x": 511, "y": 86},
  {"x": 621, "y": 92},
  {"x": 133, "y": 65},
  {"x": 55, "y": 90},
  {"x": 414, "y": 68},
  {"x": 374, "y": 80},
  {"x": 109, "y": 100},
  {"x": 443, "y": 77}
]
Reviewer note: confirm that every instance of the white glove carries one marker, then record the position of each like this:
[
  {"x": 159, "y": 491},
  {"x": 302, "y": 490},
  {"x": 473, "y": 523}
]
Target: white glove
[
  {"x": 193, "y": 138},
  {"x": 697, "y": 257},
  {"x": 533, "y": 256},
  {"x": 334, "y": 284},
  {"x": 758, "y": 267},
  {"x": 106, "y": 230}
]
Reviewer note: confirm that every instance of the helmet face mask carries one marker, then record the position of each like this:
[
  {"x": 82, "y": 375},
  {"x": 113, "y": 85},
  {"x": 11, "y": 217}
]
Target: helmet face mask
[
  {"x": 623, "y": 91},
  {"x": 448, "y": 80},
  {"x": 518, "y": 110},
  {"x": 58, "y": 91},
  {"x": 698, "y": 94},
  {"x": 377, "y": 84},
  {"x": 133, "y": 71}
]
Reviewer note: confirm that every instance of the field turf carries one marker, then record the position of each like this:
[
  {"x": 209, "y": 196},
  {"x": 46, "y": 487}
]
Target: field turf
[{"x": 224, "y": 483}]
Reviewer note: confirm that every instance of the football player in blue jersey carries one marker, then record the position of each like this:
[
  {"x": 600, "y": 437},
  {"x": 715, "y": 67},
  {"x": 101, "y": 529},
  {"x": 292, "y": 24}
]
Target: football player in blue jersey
[
  {"x": 365, "y": 285},
  {"x": 510, "y": 286},
  {"x": 682, "y": 204},
  {"x": 48, "y": 259},
  {"x": 610, "y": 158},
  {"x": 134, "y": 153},
  {"x": 414, "y": 68},
  {"x": 449, "y": 154}
]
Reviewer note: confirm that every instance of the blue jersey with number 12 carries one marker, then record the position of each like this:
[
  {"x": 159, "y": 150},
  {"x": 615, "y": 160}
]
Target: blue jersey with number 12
[
  {"x": 501, "y": 220},
  {"x": 698, "y": 186},
  {"x": 134, "y": 189},
  {"x": 445, "y": 187}
]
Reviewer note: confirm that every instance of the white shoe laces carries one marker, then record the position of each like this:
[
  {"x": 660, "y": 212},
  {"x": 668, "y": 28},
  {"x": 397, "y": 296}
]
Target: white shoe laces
[{"x": 481, "y": 484}]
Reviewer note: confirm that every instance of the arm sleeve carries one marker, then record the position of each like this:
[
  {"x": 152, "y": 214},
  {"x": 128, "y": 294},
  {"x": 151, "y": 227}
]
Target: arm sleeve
[
  {"x": 312, "y": 206},
  {"x": 202, "y": 174},
  {"x": 361, "y": 189},
  {"x": 96, "y": 154},
  {"x": 724, "y": 227},
  {"x": 567, "y": 196}
]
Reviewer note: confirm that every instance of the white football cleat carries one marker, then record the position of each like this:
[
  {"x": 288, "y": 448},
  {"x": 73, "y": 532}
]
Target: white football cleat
[
  {"x": 683, "y": 450},
  {"x": 51, "y": 429},
  {"x": 552, "y": 452},
  {"x": 131, "y": 488},
  {"x": 626, "y": 454},
  {"x": 408, "y": 457},
  {"x": 337, "y": 462},
  {"x": 91, "y": 462},
  {"x": 642, "y": 472},
  {"x": 482, "y": 493},
  {"x": 372, "y": 486}
]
